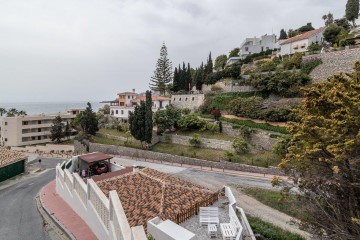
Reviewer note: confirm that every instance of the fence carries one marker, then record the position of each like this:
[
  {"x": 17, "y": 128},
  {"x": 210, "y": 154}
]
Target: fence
[{"x": 105, "y": 216}]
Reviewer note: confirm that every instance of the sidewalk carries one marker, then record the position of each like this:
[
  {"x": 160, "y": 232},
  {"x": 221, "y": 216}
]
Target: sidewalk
[{"x": 64, "y": 214}]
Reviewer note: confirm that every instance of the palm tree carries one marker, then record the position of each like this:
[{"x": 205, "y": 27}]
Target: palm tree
[
  {"x": 22, "y": 113},
  {"x": 2, "y": 111},
  {"x": 12, "y": 112}
]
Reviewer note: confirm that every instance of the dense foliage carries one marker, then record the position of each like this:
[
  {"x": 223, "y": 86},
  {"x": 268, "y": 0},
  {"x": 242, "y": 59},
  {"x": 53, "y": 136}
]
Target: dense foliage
[
  {"x": 283, "y": 35},
  {"x": 324, "y": 156},
  {"x": 246, "y": 107},
  {"x": 166, "y": 119},
  {"x": 310, "y": 64},
  {"x": 294, "y": 62},
  {"x": 12, "y": 112},
  {"x": 191, "y": 121},
  {"x": 182, "y": 78},
  {"x": 220, "y": 62},
  {"x": 252, "y": 124},
  {"x": 57, "y": 130},
  {"x": 352, "y": 10},
  {"x": 148, "y": 118},
  {"x": 240, "y": 146},
  {"x": 163, "y": 74},
  {"x": 86, "y": 121}
]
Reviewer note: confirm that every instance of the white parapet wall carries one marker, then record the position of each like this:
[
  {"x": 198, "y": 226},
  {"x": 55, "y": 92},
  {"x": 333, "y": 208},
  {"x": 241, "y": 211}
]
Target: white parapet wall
[{"x": 105, "y": 216}]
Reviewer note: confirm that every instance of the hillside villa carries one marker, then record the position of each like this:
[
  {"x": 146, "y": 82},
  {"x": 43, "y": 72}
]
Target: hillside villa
[
  {"x": 126, "y": 102},
  {"x": 300, "y": 43},
  {"x": 257, "y": 45}
]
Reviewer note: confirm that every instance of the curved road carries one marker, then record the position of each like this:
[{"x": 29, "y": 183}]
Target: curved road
[{"x": 19, "y": 217}]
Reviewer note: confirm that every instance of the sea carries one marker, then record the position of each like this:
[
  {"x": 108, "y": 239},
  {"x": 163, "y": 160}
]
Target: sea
[{"x": 49, "y": 107}]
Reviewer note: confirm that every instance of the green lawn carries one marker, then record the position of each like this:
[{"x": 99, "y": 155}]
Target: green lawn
[
  {"x": 262, "y": 159},
  {"x": 101, "y": 140},
  {"x": 112, "y": 132},
  {"x": 290, "y": 205},
  {"x": 267, "y": 231},
  {"x": 205, "y": 134}
]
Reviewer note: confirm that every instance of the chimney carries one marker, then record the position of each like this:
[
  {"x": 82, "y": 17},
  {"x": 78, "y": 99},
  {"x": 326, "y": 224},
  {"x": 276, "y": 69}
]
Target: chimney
[{"x": 133, "y": 90}]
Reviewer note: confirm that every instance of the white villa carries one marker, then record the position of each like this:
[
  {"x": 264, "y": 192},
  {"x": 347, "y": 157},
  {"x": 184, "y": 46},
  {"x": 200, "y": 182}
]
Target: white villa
[
  {"x": 301, "y": 42},
  {"x": 257, "y": 45},
  {"x": 127, "y": 101}
]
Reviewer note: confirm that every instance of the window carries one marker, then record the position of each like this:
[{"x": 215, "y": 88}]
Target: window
[
  {"x": 185, "y": 99},
  {"x": 32, "y": 138},
  {"x": 179, "y": 99},
  {"x": 193, "y": 98},
  {"x": 112, "y": 112},
  {"x": 25, "y": 122},
  {"x": 128, "y": 97},
  {"x": 117, "y": 112},
  {"x": 5, "y": 139},
  {"x": 39, "y": 137},
  {"x": 122, "y": 112},
  {"x": 39, "y": 122},
  {"x": 39, "y": 129},
  {"x": 5, "y": 123},
  {"x": 246, "y": 48},
  {"x": 174, "y": 99},
  {"x": 122, "y": 103}
]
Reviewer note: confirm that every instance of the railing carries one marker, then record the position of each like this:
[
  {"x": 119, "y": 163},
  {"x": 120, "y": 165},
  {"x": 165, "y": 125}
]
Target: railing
[
  {"x": 117, "y": 216},
  {"x": 80, "y": 188},
  {"x": 69, "y": 180},
  {"x": 99, "y": 201},
  {"x": 247, "y": 231},
  {"x": 194, "y": 210}
]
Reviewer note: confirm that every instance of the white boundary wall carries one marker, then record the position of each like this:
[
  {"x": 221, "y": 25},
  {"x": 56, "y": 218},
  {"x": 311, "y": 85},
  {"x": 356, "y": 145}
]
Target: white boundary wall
[
  {"x": 105, "y": 216},
  {"x": 246, "y": 231}
]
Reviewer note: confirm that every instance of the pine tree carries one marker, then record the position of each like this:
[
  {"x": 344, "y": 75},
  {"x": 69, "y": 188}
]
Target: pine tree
[
  {"x": 57, "y": 132},
  {"x": 148, "y": 118},
  {"x": 352, "y": 11},
  {"x": 89, "y": 121},
  {"x": 163, "y": 74},
  {"x": 283, "y": 35}
]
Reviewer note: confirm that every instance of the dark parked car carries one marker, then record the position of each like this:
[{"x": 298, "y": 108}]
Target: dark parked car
[{"x": 99, "y": 168}]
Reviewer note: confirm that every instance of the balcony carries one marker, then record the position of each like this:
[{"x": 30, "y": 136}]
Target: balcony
[{"x": 35, "y": 134}]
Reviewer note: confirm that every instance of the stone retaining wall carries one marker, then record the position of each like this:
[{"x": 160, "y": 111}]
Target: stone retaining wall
[
  {"x": 79, "y": 148},
  {"x": 138, "y": 153},
  {"x": 204, "y": 142},
  {"x": 334, "y": 63},
  {"x": 190, "y": 101}
]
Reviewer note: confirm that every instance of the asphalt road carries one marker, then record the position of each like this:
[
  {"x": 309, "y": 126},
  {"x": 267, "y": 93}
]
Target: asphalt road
[{"x": 19, "y": 217}]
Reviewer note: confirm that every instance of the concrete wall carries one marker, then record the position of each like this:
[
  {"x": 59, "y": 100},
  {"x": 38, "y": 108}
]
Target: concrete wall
[
  {"x": 334, "y": 63},
  {"x": 191, "y": 101},
  {"x": 204, "y": 142},
  {"x": 228, "y": 86},
  {"x": 144, "y": 154}
]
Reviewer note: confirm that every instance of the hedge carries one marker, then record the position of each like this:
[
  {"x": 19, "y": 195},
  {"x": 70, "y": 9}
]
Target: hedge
[{"x": 249, "y": 123}]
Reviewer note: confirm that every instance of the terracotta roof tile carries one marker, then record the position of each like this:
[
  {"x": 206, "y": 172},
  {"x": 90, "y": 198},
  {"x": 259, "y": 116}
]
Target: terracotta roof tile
[
  {"x": 303, "y": 36},
  {"x": 8, "y": 156},
  {"x": 150, "y": 193}
]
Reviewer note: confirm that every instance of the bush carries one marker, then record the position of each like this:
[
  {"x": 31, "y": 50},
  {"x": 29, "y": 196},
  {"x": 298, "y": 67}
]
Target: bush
[
  {"x": 282, "y": 145},
  {"x": 294, "y": 62},
  {"x": 246, "y": 107},
  {"x": 229, "y": 156},
  {"x": 216, "y": 88},
  {"x": 191, "y": 121},
  {"x": 195, "y": 140},
  {"x": 267, "y": 66},
  {"x": 185, "y": 111},
  {"x": 246, "y": 131},
  {"x": 212, "y": 127},
  {"x": 252, "y": 124},
  {"x": 310, "y": 64},
  {"x": 240, "y": 146},
  {"x": 314, "y": 47},
  {"x": 276, "y": 115}
]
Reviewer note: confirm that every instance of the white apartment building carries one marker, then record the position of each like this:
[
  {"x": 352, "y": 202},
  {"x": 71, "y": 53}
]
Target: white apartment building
[
  {"x": 126, "y": 102},
  {"x": 29, "y": 130},
  {"x": 300, "y": 43},
  {"x": 258, "y": 45}
]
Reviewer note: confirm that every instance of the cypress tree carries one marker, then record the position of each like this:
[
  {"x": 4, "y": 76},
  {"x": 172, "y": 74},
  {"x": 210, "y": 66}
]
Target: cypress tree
[
  {"x": 163, "y": 73},
  {"x": 148, "y": 118},
  {"x": 352, "y": 11},
  {"x": 209, "y": 65},
  {"x": 189, "y": 80},
  {"x": 176, "y": 80},
  {"x": 283, "y": 35}
]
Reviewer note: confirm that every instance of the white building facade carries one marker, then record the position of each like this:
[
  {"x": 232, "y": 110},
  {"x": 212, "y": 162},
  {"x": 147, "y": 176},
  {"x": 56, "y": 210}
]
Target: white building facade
[
  {"x": 126, "y": 102},
  {"x": 258, "y": 45},
  {"x": 301, "y": 42},
  {"x": 29, "y": 130}
]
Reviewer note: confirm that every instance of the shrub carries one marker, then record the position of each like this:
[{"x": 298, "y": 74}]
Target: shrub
[
  {"x": 252, "y": 124},
  {"x": 267, "y": 66},
  {"x": 314, "y": 47},
  {"x": 195, "y": 140},
  {"x": 212, "y": 127},
  {"x": 216, "y": 88},
  {"x": 310, "y": 64},
  {"x": 185, "y": 111},
  {"x": 276, "y": 115},
  {"x": 191, "y": 121},
  {"x": 282, "y": 145},
  {"x": 293, "y": 62},
  {"x": 229, "y": 156},
  {"x": 246, "y": 131},
  {"x": 246, "y": 107},
  {"x": 240, "y": 146}
]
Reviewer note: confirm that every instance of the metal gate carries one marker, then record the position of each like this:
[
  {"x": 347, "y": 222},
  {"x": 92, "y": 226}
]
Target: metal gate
[{"x": 11, "y": 170}]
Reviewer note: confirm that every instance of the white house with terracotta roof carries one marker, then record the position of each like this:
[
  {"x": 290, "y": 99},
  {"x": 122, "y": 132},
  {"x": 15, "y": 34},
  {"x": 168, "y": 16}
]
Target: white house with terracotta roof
[
  {"x": 301, "y": 42},
  {"x": 126, "y": 102}
]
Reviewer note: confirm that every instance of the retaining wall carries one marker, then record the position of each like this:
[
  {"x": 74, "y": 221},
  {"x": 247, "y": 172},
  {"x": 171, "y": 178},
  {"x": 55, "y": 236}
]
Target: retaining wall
[
  {"x": 139, "y": 153},
  {"x": 190, "y": 101}
]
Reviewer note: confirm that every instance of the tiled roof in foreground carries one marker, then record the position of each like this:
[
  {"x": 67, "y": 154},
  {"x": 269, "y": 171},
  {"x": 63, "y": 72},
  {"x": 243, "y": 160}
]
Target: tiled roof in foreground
[
  {"x": 8, "y": 156},
  {"x": 149, "y": 193}
]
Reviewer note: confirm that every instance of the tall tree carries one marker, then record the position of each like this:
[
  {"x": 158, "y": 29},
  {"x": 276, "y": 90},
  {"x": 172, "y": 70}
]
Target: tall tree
[
  {"x": 209, "y": 65},
  {"x": 220, "y": 62},
  {"x": 148, "y": 118},
  {"x": 57, "y": 130},
  {"x": 352, "y": 11},
  {"x": 137, "y": 122},
  {"x": 283, "y": 34},
  {"x": 328, "y": 18},
  {"x": 2, "y": 111},
  {"x": 324, "y": 156},
  {"x": 163, "y": 74},
  {"x": 12, "y": 112},
  {"x": 189, "y": 79},
  {"x": 176, "y": 82},
  {"x": 86, "y": 121},
  {"x": 67, "y": 131},
  {"x": 234, "y": 52}
]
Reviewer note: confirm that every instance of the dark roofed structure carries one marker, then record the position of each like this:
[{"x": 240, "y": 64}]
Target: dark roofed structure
[{"x": 95, "y": 157}]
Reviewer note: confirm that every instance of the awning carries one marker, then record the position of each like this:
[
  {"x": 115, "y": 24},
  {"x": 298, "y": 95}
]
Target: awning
[{"x": 95, "y": 157}]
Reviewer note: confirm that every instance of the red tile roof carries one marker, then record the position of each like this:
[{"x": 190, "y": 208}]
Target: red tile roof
[
  {"x": 8, "y": 156},
  {"x": 109, "y": 175},
  {"x": 149, "y": 193},
  {"x": 95, "y": 157},
  {"x": 303, "y": 36}
]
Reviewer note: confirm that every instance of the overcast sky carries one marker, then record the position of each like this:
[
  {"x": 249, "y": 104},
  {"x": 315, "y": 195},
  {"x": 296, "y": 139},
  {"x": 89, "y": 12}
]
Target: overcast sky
[{"x": 79, "y": 50}]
